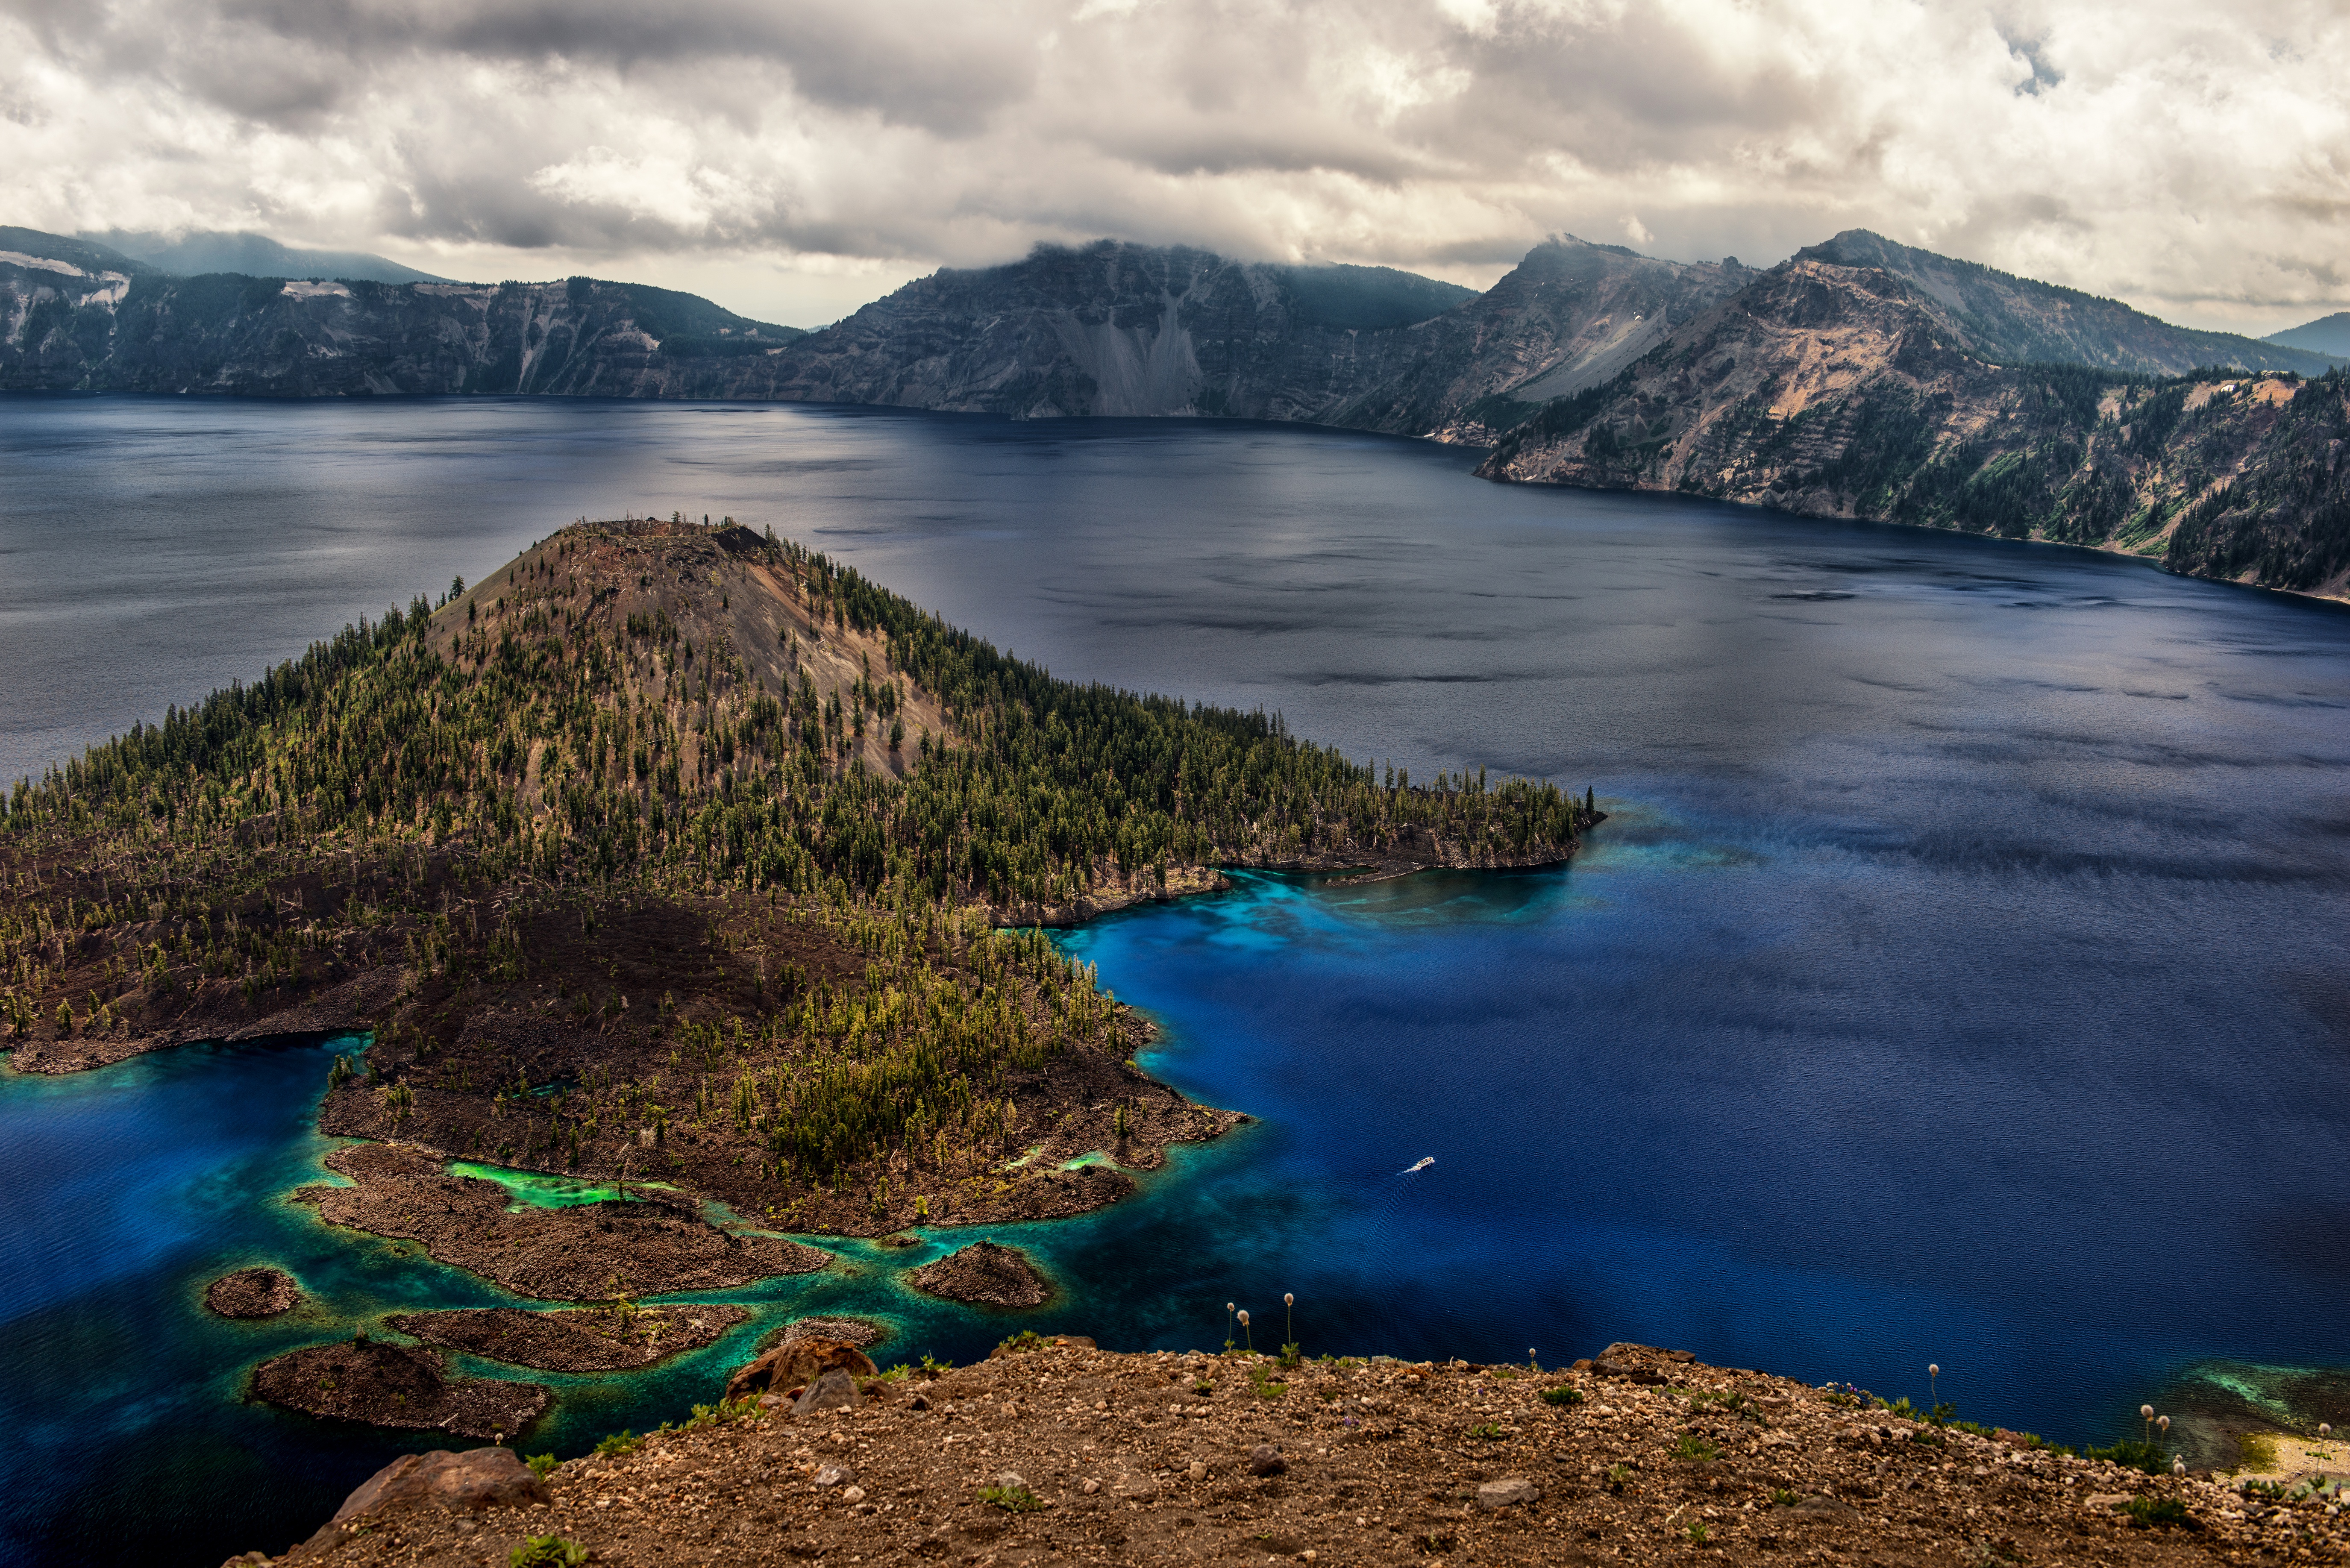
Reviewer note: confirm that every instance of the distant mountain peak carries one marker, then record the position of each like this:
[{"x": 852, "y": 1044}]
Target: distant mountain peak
[
  {"x": 2007, "y": 319},
  {"x": 2326, "y": 334},
  {"x": 194, "y": 252}
]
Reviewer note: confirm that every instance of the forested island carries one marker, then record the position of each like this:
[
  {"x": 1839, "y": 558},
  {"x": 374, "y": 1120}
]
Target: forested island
[{"x": 687, "y": 861}]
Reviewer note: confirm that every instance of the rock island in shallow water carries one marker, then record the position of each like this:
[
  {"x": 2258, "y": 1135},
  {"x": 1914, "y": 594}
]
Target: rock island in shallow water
[
  {"x": 253, "y": 1293},
  {"x": 986, "y": 1274},
  {"x": 401, "y": 1386},
  {"x": 654, "y": 1248},
  {"x": 582, "y": 1339}
]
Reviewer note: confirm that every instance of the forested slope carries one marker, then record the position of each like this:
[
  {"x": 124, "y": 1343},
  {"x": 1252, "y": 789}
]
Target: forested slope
[{"x": 667, "y": 829}]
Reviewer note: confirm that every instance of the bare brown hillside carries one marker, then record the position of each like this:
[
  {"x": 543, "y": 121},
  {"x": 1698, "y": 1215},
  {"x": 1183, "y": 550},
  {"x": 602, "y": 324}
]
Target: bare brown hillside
[{"x": 1064, "y": 1454}]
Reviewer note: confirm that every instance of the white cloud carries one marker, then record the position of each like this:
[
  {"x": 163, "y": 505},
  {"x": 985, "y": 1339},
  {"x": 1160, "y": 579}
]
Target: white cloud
[{"x": 2195, "y": 162}]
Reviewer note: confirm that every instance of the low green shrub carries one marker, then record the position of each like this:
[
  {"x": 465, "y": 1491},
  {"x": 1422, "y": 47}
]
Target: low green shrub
[
  {"x": 1564, "y": 1394},
  {"x": 546, "y": 1552},
  {"x": 542, "y": 1465},
  {"x": 1011, "y": 1498},
  {"x": 2133, "y": 1455},
  {"x": 2153, "y": 1512}
]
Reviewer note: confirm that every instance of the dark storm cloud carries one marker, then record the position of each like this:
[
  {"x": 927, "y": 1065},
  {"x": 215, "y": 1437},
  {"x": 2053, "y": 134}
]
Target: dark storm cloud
[{"x": 2155, "y": 151}]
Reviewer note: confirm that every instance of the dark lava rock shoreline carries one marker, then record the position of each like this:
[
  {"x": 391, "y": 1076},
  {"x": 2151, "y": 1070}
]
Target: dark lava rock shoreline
[
  {"x": 398, "y": 1385},
  {"x": 559, "y": 1255},
  {"x": 581, "y": 1339},
  {"x": 985, "y": 1274},
  {"x": 252, "y": 1294}
]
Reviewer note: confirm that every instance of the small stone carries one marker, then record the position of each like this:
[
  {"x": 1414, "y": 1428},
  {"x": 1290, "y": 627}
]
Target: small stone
[
  {"x": 771, "y": 1401},
  {"x": 852, "y": 1495},
  {"x": 1010, "y": 1481},
  {"x": 835, "y": 1390},
  {"x": 1264, "y": 1459},
  {"x": 1507, "y": 1491},
  {"x": 1197, "y": 1471},
  {"x": 836, "y": 1475},
  {"x": 919, "y": 1402},
  {"x": 1090, "y": 1487}
]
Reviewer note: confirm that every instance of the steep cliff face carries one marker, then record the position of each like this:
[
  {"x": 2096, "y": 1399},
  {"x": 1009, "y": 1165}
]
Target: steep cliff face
[
  {"x": 1130, "y": 330},
  {"x": 2011, "y": 320},
  {"x": 79, "y": 317},
  {"x": 1845, "y": 391},
  {"x": 1571, "y": 314},
  {"x": 1122, "y": 330},
  {"x": 1108, "y": 329}
]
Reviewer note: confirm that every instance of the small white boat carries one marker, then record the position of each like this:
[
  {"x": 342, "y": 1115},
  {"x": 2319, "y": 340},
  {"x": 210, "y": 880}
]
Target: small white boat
[{"x": 1426, "y": 1160}]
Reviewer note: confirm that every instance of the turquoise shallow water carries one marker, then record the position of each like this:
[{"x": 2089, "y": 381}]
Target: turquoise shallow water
[{"x": 1960, "y": 977}]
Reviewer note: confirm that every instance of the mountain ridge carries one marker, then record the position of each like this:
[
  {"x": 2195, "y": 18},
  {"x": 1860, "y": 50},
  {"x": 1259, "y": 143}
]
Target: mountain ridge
[
  {"x": 1851, "y": 391},
  {"x": 2003, "y": 318},
  {"x": 199, "y": 250},
  {"x": 2326, "y": 334}
]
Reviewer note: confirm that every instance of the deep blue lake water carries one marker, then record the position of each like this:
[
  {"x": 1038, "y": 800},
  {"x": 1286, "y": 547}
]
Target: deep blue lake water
[{"x": 1962, "y": 975}]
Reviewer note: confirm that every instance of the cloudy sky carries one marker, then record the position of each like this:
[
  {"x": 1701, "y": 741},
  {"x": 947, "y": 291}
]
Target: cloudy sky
[{"x": 794, "y": 160}]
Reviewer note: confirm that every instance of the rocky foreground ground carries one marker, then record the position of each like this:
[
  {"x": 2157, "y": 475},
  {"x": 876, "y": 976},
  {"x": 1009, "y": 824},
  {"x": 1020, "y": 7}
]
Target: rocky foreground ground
[{"x": 1062, "y": 1454}]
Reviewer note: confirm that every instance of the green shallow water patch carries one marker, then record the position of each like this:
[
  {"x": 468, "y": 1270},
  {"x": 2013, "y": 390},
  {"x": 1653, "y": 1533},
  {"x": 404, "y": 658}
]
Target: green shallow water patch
[{"x": 537, "y": 1190}]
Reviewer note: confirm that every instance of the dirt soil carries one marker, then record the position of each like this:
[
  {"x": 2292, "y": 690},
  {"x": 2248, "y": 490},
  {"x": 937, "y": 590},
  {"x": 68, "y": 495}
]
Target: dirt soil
[
  {"x": 585, "y": 1339},
  {"x": 584, "y": 1254},
  {"x": 986, "y": 1274},
  {"x": 253, "y": 1293},
  {"x": 397, "y": 1385},
  {"x": 1385, "y": 1462}
]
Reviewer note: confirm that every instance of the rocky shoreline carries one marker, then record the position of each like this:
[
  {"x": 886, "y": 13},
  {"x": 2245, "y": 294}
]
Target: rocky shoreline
[
  {"x": 398, "y": 1385},
  {"x": 584, "y": 1253},
  {"x": 1067, "y": 1453},
  {"x": 617, "y": 1338}
]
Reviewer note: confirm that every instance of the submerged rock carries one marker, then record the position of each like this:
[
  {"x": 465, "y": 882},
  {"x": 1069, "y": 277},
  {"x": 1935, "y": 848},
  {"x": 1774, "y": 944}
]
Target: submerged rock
[
  {"x": 985, "y": 1272},
  {"x": 253, "y": 1293}
]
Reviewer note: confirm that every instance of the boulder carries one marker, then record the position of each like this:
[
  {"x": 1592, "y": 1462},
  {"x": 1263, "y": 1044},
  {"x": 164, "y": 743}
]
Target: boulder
[
  {"x": 834, "y": 1389},
  {"x": 796, "y": 1362},
  {"x": 1507, "y": 1492},
  {"x": 1264, "y": 1459},
  {"x": 474, "y": 1480}
]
